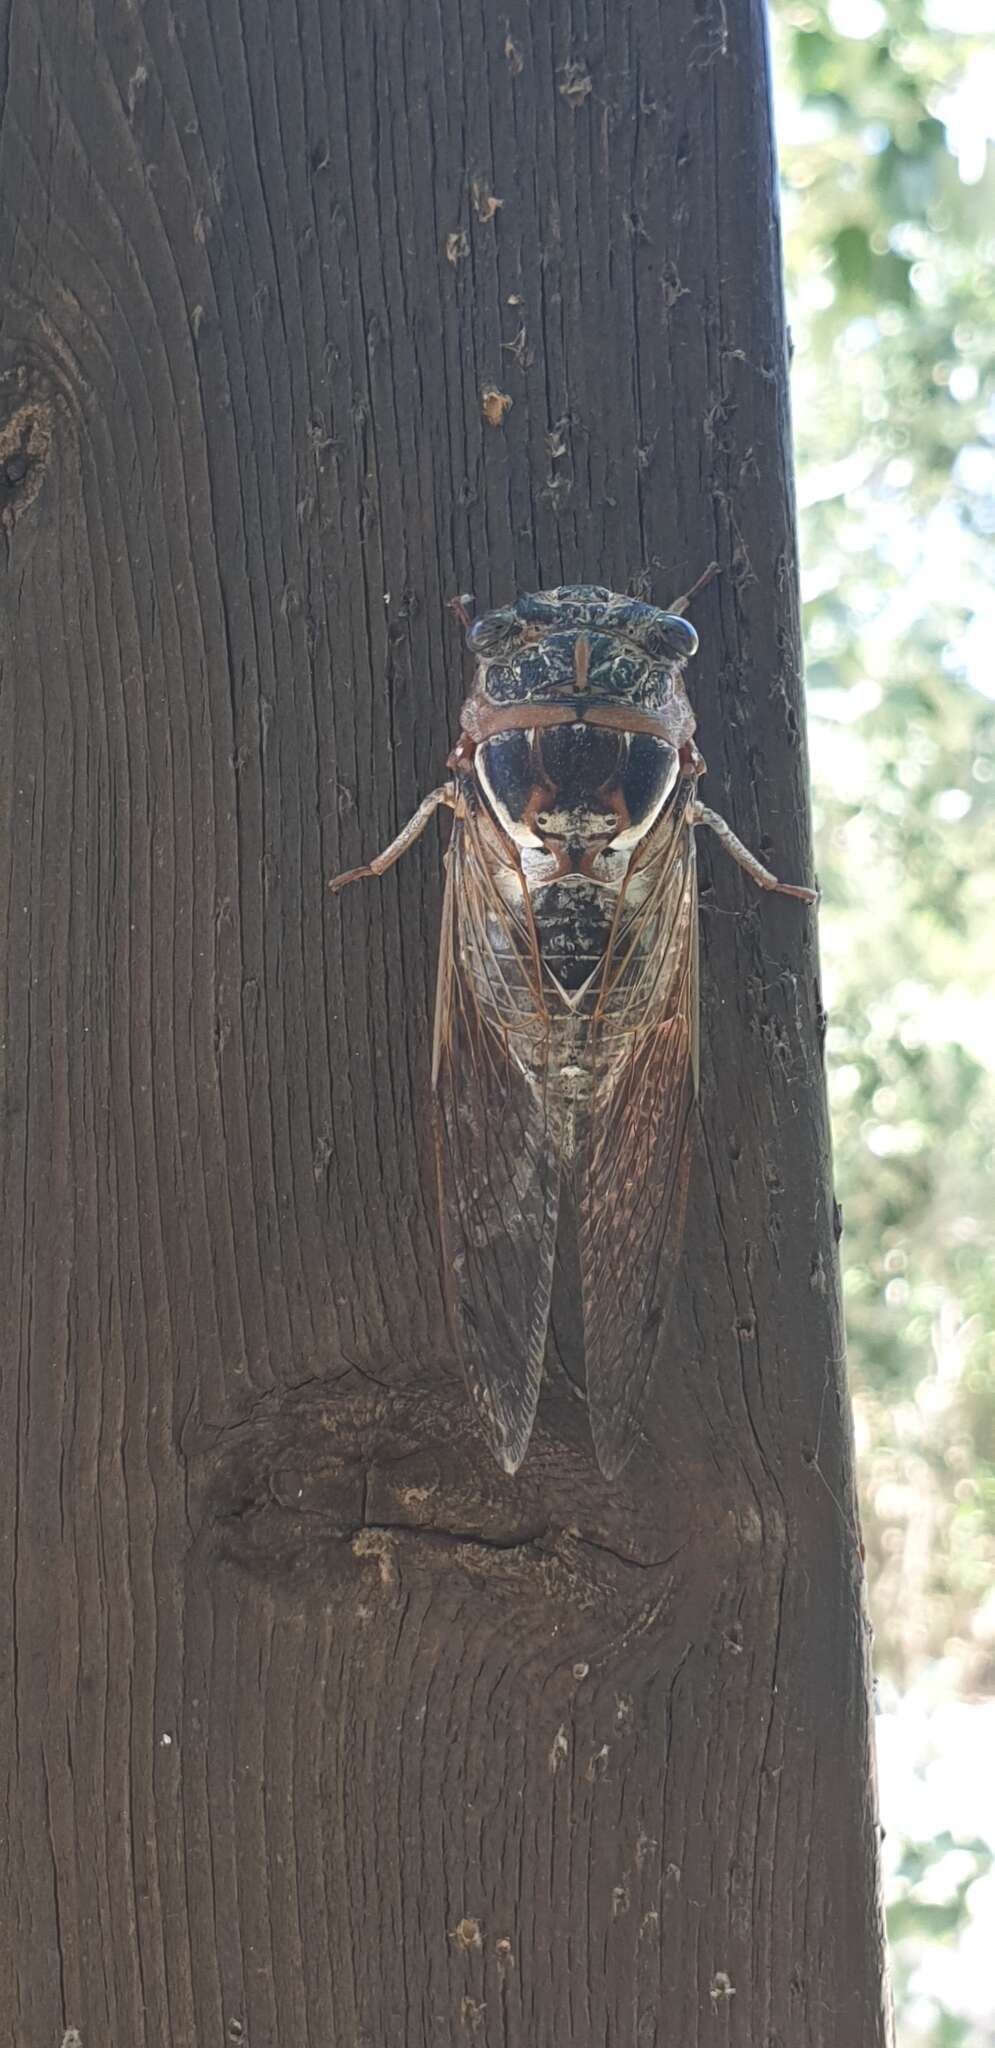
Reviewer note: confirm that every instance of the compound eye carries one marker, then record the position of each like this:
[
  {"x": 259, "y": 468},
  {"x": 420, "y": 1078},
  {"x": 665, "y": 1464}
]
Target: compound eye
[
  {"x": 495, "y": 633},
  {"x": 666, "y": 638}
]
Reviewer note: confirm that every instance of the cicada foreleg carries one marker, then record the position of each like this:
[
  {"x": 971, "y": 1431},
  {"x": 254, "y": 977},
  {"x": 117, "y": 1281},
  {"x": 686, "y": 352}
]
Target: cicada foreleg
[
  {"x": 412, "y": 831},
  {"x": 701, "y": 815}
]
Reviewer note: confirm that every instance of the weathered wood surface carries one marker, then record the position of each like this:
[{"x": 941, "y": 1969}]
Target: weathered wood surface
[{"x": 317, "y": 1731}]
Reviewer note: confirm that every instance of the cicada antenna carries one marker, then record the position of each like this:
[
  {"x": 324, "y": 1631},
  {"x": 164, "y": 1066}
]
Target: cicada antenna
[
  {"x": 680, "y": 604},
  {"x": 458, "y": 606}
]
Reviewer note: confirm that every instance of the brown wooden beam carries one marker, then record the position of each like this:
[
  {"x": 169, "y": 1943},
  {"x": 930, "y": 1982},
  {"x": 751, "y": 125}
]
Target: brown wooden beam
[{"x": 317, "y": 1730}]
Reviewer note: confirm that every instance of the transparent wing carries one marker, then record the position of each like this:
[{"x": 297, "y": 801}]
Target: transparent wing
[
  {"x": 634, "y": 1166},
  {"x": 498, "y": 1156}
]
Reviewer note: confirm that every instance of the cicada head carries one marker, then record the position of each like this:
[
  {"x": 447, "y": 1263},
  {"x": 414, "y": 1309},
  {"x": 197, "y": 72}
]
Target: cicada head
[
  {"x": 583, "y": 653},
  {"x": 578, "y": 714}
]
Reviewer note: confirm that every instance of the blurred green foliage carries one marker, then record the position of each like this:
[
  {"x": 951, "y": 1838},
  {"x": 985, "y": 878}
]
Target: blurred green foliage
[
  {"x": 884, "y": 111},
  {"x": 930, "y": 1905},
  {"x": 886, "y": 116}
]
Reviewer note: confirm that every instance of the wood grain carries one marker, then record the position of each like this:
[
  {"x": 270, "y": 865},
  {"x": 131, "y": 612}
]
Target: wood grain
[{"x": 317, "y": 1731}]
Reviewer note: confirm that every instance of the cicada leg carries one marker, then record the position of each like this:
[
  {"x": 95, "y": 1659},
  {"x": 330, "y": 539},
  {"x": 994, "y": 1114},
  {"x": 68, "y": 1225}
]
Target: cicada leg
[
  {"x": 412, "y": 831},
  {"x": 701, "y": 815}
]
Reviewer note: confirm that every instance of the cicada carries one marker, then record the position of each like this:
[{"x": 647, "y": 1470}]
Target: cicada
[{"x": 566, "y": 1027}]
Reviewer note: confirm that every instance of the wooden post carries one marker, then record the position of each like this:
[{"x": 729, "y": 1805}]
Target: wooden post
[{"x": 319, "y": 1732}]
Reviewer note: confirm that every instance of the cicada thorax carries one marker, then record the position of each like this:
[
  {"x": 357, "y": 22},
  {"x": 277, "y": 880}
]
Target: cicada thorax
[
  {"x": 563, "y": 811},
  {"x": 567, "y": 794}
]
